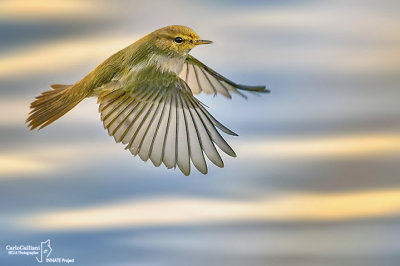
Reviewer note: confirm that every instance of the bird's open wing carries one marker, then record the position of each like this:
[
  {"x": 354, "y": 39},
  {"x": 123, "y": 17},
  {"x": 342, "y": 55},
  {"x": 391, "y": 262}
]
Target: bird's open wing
[
  {"x": 163, "y": 123},
  {"x": 201, "y": 78}
]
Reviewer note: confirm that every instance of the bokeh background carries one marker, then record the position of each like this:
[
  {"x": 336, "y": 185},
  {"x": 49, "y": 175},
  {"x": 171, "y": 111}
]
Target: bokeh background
[{"x": 317, "y": 177}]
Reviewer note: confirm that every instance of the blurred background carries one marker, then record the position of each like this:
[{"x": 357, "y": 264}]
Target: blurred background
[{"x": 316, "y": 180}]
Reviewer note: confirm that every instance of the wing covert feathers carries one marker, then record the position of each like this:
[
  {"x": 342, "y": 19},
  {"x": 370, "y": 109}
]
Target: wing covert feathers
[{"x": 167, "y": 126}]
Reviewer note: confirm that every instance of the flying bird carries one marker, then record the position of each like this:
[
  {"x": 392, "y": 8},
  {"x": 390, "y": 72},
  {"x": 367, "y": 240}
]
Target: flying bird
[{"x": 146, "y": 100}]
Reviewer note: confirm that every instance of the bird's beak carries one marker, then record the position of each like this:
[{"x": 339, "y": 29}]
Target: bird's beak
[{"x": 197, "y": 42}]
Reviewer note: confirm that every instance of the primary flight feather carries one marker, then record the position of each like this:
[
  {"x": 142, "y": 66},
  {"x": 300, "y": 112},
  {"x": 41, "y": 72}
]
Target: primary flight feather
[{"x": 146, "y": 97}]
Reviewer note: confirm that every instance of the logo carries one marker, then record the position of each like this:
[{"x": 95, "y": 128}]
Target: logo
[
  {"x": 45, "y": 249},
  {"x": 41, "y": 252}
]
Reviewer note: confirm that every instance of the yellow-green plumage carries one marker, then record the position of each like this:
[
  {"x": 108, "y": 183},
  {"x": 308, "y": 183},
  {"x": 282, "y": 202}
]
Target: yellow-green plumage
[{"x": 145, "y": 92}]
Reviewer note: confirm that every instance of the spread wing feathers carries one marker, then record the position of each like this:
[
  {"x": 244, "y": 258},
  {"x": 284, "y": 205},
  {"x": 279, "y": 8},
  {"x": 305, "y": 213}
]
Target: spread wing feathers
[
  {"x": 166, "y": 126},
  {"x": 201, "y": 78}
]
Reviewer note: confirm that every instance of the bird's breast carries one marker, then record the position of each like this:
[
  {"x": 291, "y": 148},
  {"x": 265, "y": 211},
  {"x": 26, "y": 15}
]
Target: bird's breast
[{"x": 167, "y": 63}]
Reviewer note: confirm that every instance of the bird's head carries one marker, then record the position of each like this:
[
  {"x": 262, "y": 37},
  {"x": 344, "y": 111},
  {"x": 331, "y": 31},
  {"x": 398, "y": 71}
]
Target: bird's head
[{"x": 176, "y": 40}]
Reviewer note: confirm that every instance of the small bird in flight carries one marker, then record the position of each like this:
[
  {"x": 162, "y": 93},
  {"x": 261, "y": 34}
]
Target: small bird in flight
[{"x": 145, "y": 95}]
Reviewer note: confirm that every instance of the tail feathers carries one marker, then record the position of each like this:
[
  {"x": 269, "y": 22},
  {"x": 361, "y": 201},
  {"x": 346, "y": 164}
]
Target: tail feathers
[
  {"x": 51, "y": 105},
  {"x": 59, "y": 86}
]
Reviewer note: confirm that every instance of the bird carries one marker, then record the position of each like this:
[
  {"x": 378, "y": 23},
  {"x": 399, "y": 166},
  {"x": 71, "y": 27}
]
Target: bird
[{"x": 146, "y": 100}]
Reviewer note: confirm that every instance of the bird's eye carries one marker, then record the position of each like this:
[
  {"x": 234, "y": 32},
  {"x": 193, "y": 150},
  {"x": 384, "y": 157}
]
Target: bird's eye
[{"x": 178, "y": 40}]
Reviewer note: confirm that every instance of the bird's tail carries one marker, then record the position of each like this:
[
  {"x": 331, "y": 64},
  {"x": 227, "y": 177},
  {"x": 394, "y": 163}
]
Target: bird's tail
[{"x": 52, "y": 104}]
